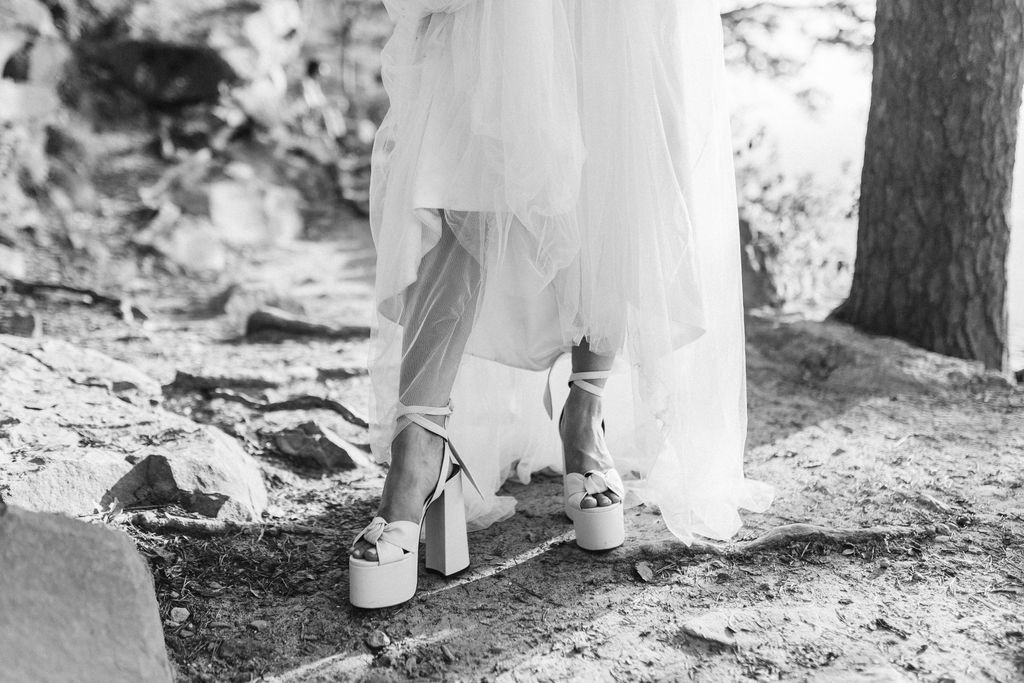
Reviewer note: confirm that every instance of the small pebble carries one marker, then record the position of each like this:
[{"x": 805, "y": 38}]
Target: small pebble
[
  {"x": 942, "y": 538},
  {"x": 259, "y": 624},
  {"x": 179, "y": 614},
  {"x": 378, "y": 640},
  {"x": 943, "y": 530}
]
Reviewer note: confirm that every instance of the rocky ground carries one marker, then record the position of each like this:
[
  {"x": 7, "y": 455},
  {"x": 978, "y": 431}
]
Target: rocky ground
[{"x": 855, "y": 432}]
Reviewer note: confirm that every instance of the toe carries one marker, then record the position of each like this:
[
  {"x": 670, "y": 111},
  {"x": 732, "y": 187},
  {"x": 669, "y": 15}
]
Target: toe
[
  {"x": 602, "y": 500},
  {"x": 356, "y": 552},
  {"x": 370, "y": 555},
  {"x": 588, "y": 502},
  {"x": 613, "y": 497}
]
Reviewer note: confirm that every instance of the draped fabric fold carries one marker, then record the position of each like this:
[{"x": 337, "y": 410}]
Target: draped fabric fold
[{"x": 576, "y": 155}]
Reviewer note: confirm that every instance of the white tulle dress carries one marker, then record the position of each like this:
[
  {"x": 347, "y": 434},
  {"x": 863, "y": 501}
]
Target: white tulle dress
[{"x": 549, "y": 171}]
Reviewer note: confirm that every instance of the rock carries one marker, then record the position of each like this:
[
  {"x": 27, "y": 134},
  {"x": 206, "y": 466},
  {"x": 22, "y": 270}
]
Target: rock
[
  {"x": 275, "y": 322},
  {"x": 21, "y": 324},
  {"x": 12, "y": 263},
  {"x": 76, "y": 601},
  {"x": 323, "y": 374},
  {"x": 713, "y": 627},
  {"x": 91, "y": 368},
  {"x": 377, "y": 640},
  {"x": 871, "y": 674},
  {"x": 166, "y": 76},
  {"x": 313, "y": 445},
  {"x": 69, "y": 443},
  {"x": 179, "y": 614},
  {"x": 259, "y": 625},
  {"x": 186, "y": 381}
]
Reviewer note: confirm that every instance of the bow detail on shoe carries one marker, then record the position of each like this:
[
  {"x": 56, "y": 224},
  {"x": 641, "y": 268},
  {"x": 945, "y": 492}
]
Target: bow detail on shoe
[
  {"x": 579, "y": 486},
  {"x": 391, "y": 539},
  {"x": 598, "y": 482}
]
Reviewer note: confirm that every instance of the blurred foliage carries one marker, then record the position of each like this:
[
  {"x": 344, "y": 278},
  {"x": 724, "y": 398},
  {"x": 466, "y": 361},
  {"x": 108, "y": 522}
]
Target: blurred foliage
[
  {"x": 776, "y": 38},
  {"x": 802, "y": 231},
  {"x": 279, "y": 94}
]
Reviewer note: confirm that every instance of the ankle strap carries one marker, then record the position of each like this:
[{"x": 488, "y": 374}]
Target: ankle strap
[
  {"x": 578, "y": 378},
  {"x": 415, "y": 415}
]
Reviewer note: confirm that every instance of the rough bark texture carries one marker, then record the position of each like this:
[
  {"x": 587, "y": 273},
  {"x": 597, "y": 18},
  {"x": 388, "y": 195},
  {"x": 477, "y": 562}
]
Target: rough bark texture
[{"x": 938, "y": 167}]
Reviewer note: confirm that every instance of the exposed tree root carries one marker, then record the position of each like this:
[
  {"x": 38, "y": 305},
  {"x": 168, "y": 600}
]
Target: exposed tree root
[
  {"x": 305, "y": 402},
  {"x": 790, "y": 534},
  {"x": 158, "y": 523},
  {"x": 272, "y": 321},
  {"x": 122, "y": 307}
]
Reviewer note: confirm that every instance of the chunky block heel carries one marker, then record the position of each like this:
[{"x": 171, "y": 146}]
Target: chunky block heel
[
  {"x": 447, "y": 545},
  {"x": 391, "y": 579}
]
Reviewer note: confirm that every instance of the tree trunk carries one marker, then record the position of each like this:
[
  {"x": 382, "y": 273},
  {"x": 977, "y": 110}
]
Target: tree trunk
[{"x": 938, "y": 168}]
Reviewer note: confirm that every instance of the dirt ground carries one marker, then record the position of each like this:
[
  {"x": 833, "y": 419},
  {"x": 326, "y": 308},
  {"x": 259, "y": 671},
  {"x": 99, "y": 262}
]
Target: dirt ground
[{"x": 852, "y": 431}]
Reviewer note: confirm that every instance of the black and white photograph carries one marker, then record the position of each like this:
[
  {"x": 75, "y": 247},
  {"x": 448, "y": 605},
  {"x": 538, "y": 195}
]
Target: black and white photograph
[{"x": 511, "y": 340}]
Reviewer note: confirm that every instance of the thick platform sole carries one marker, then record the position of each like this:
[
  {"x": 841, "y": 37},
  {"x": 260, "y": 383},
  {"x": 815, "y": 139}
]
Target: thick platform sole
[
  {"x": 601, "y": 528},
  {"x": 372, "y": 585}
]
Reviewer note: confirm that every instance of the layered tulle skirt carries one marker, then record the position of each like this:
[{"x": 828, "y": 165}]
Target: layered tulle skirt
[{"x": 577, "y": 153}]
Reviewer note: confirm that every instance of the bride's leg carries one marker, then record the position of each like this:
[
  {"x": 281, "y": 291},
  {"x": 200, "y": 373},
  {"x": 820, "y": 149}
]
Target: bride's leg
[
  {"x": 581, "y": 431},
  {"x": 438, "y": 317}
]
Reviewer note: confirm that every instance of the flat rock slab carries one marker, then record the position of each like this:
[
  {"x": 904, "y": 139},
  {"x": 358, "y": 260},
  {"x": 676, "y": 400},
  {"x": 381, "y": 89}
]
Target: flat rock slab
[
  {"x": 76, "y": 603},
  {"x": 313, "y": 445},
  {"x": 75, "y": 437}
]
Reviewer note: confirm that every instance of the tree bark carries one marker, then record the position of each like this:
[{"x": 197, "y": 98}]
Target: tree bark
[{"x": 938, "y": 169}]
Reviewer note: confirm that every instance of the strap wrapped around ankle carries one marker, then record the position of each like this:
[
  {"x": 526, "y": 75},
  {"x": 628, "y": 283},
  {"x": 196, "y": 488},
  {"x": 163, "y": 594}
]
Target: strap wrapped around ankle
[
  {"x": 415, "y": 415},
  {"x": 579, "y": 379}
]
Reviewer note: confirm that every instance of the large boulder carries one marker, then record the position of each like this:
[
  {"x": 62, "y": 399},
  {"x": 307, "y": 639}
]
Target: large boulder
[
  {"x": 76, "y": 603},
  {"x": 79, "y": 432}
]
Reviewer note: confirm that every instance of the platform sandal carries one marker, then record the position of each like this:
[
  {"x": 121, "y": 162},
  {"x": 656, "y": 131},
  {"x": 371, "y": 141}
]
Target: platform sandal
[
  {"x": 601, "y": 527},
  {"x": 391, "y": 579}
]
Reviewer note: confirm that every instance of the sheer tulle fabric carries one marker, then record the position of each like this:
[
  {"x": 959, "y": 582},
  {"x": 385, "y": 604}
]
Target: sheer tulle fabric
[{"x": 549, "y": 171}]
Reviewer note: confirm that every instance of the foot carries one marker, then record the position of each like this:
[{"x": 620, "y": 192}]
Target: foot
[
  {"x": 583, "y": 443},
  {"x": 416, "y": 456}
]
